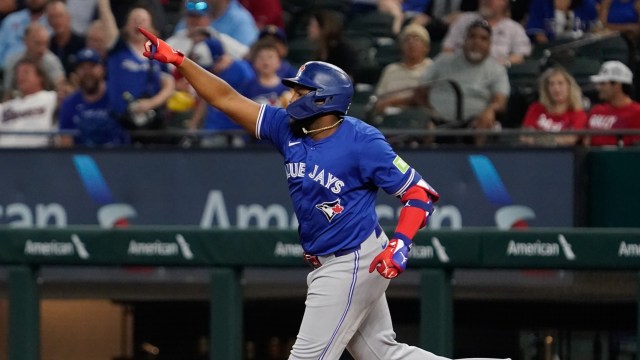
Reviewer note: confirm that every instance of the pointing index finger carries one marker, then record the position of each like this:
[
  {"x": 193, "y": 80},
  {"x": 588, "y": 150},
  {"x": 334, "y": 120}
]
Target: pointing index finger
[{"x": 149, "y": 35}]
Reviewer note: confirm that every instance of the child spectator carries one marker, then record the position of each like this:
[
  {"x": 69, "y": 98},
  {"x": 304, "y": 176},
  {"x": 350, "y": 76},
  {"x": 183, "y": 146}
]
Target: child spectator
[
  {"x": 267, "y": 87},
  {"x": 278, "y": 36}
]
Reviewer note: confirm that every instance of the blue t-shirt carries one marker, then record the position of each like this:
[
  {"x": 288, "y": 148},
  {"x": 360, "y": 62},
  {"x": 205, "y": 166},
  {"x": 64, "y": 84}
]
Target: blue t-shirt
[
  {"x": 333, "y": 182},
  {"x": 94, "y": 122},
  {"x": 128, "y": 72},
  {"x": 263, "y": 94}
]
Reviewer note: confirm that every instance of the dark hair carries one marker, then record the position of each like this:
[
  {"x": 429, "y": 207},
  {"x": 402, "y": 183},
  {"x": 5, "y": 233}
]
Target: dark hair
[
  {"x": 264, "y": 43},
  {"x": 331, "y": 25},
  {"x": 482, "y": 24}
]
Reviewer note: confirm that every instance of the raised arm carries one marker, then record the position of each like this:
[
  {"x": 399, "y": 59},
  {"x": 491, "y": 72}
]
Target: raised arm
[{"x": 211, "y": 88}]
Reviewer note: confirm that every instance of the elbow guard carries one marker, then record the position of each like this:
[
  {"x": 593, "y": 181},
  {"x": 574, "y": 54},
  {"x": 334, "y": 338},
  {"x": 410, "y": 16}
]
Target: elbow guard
[{"x": 413, "y": 216}]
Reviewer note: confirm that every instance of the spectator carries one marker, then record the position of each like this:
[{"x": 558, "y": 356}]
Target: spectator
[
  {"x": 64, "y": 42},
  {"x": 121, "y": 10},
  {"x": 32, "y": 111},
  {"x": 87, "y": 110},
  {"x": 107, "y": 26},
  {"x": 209, "y": 54},
  {"x": 267, "y": 87},
  {"x": 229, "y": 17},
  {"x": 408, "y": 72},
  {"x": 509, "y": 44},
  {"x": 558, "y": 108},
  {"x": 621, "y": 15},
  {"x": 278, "y": 36},
  {"x": 96, "y": 38},
  {"x": 560, "y": 19},
  {"x": 197, "y": 17},
  {"x": 265, "y": 12},
  {"x": 484, "y": 83},
  {"x": 36, "y": 40},
  {"x": 325, "y": 30},
  {"x": 14, "y": 25},
  {"x": 618, "y": 110},
  {"x": 435, "y": 15},
  {"x": 137, "y": 87},
  {"x": 9, "y": 6}
]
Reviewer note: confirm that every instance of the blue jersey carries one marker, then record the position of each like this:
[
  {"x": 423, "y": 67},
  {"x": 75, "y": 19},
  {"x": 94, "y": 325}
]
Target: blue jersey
[
  {"x": 333, "y": 182},
  {"x": 93, "y": 121},
  {"x": 128, "y": 72}
]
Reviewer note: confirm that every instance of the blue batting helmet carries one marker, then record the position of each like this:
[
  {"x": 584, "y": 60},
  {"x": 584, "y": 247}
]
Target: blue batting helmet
[{"x": 331, "y": 90}]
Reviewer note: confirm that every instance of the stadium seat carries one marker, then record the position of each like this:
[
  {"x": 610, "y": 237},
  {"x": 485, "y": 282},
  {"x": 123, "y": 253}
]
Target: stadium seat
[
  {"x": 375, "y": 24},
  {"x": 300, "y": 51}
]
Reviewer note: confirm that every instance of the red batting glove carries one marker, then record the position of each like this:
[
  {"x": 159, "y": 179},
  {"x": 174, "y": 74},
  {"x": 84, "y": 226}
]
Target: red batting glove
[
  {"x": 392, "y": 260},
  {"x": 160, "y": 50}
]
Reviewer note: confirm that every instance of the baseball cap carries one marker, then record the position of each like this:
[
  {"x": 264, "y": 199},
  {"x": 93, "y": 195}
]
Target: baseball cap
[
  {"x": 482, "y": 24},
  {"x": 207, "y": 52},
  {"x": 276, "y": 32},
  {"x": 197, "y": 7},
  {"x": 87, "y": 55},
  {"x": 614, "y": 71}
]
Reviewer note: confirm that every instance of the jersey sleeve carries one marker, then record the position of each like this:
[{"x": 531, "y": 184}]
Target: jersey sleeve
[
  {"x": 385, "y": 169},
  {"x": 273, "y": 125}
]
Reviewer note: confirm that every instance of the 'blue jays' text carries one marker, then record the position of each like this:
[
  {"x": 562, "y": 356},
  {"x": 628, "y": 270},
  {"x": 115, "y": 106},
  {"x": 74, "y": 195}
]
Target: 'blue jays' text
[{"x": 326, "y": 179}]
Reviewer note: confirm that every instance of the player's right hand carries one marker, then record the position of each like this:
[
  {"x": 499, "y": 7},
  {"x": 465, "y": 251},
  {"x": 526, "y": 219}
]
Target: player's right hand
[
  {"x": 392, "y": 260},
  {"x": 160, "y": 50}
]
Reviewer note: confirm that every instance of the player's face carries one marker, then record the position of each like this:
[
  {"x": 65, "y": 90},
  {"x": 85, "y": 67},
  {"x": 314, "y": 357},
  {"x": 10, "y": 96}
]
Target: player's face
[
  {"x": 298, "y": 92},
  {"x": 558, "y": 88}
]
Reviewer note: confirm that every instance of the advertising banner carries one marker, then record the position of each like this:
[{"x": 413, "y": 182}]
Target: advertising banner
[{"x": 246, "y": 189}]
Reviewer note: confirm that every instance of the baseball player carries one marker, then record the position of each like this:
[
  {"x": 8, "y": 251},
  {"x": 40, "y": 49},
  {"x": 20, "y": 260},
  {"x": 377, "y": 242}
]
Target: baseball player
[{"x": 334, "y": 166}]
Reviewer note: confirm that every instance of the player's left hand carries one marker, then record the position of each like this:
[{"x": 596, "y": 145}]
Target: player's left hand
[{"x": 392, "y": 260}]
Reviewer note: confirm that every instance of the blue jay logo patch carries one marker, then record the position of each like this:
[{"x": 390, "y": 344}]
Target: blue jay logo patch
[{"x": 330, "y": 209}]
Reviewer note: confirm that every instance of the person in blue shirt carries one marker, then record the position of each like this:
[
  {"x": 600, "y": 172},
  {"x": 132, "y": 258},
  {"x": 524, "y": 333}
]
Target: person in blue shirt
[
  {"x": 554, "y": 20},
  {"x": 87, "y": 110},
  {"x": 229, "y": 17},
  {"x": 209, "y": 54},
  {"x": 14, "y": 25},
  {"x": 334, "y": 165},
  {"x": 266, "y": 87}
]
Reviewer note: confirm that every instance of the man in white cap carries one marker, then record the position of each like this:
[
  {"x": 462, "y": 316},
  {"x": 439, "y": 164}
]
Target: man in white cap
[{"x": 618, "y": 110}]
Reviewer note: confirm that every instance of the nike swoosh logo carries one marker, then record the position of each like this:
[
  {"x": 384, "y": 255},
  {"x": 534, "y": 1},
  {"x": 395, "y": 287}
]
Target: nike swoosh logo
[{"x": 291, "y": 143}]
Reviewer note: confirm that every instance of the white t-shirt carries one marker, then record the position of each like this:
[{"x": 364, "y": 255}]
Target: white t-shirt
[{"x": 30, "y": 113}]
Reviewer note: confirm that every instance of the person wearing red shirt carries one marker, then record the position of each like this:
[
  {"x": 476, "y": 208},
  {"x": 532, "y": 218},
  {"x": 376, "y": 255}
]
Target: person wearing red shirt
[
  {"x": 618, "y": 111},
  {"x": 558, "y": 108}
]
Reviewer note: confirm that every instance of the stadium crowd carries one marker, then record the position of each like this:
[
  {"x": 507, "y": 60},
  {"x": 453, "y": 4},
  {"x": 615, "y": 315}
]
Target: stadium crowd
[{"x": 559, "y": 71}]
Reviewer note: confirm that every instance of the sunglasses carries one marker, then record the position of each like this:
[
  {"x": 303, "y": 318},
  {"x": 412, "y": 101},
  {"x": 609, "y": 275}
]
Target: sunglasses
[{"x": 197, "y": 6}]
